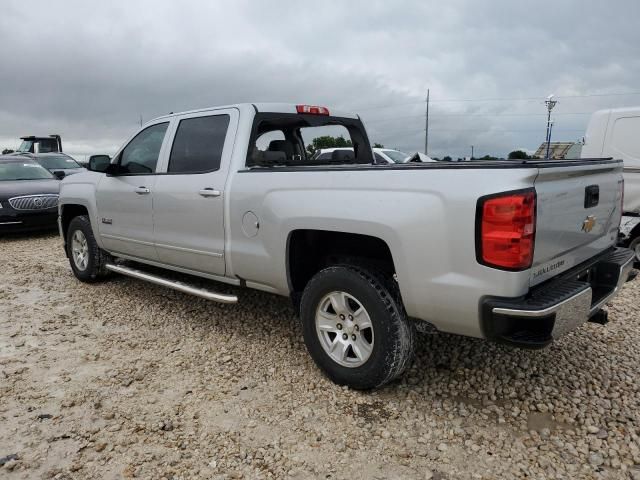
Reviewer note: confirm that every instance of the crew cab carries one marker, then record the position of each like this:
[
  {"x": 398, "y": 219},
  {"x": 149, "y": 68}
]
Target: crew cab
[{"x": 519, "y": 252}]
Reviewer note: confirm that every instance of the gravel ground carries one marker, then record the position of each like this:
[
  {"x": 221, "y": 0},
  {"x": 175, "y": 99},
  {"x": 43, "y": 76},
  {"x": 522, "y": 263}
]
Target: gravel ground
[{"x": 126, "y": 379}]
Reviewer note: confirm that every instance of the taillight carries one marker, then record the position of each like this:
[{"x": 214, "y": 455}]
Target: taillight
[
  {"x": 312, "y": 109},
  {"x": 506, "y": 230}
]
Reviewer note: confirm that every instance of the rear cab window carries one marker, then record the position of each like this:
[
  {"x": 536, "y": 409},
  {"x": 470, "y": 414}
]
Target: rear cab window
[{"x": 295, "y": 140}]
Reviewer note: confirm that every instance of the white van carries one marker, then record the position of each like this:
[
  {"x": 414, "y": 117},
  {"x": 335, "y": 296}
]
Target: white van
[{"x": 616, "y": 133}]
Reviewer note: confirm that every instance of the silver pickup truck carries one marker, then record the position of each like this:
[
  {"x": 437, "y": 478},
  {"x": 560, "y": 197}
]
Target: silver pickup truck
[{"x": 519, "y": 252}]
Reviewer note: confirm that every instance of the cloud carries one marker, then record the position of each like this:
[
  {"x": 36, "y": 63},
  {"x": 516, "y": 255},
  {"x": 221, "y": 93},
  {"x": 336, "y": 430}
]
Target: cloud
[{"x": 89, "y": 70}]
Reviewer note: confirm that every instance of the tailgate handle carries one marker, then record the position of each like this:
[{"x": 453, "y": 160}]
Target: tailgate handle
[{"x": 591, "y": 196}]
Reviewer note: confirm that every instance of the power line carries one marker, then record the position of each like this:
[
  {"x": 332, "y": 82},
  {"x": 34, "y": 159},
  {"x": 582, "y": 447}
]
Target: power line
[
  {"x": 474, "y": 115},
  {"x": 416, "y": 132},
  {"x": 500, "y": 99},
  {"x": 509, "y": 99}
]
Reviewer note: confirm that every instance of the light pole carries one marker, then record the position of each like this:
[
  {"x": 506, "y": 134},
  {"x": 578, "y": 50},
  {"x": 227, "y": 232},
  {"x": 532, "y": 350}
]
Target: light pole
[
  {"x": 550, "y": 103},
  {"x": 471, "y": 152},
  {"x": 426, "y": 128}
]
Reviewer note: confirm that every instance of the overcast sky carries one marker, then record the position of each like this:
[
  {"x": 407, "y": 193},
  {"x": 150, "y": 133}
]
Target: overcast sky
[{"x": 88, "y": 70}]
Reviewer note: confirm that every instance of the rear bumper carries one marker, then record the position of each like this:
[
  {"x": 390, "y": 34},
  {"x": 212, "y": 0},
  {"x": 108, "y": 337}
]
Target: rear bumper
[{"x": 558, "y": 306}]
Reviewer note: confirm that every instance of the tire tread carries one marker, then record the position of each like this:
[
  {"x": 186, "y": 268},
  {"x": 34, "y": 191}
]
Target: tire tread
[
  {"x": 96, "y": 270},
  {"x": 400, "y": 355}
]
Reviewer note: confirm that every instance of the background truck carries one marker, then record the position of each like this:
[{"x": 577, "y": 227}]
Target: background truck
[
  {"x": 616, "y": 133},
  {"x": 518, "y": 252},
  {"x": 36, "y": 144}
]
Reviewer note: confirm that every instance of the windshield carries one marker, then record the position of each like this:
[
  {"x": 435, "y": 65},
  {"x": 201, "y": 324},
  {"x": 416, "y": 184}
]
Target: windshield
[
  {"x": 25, "y": 146},
  {"x": 22, "y": 171},
  {"x": 396, "y": 155},
  {"x": 58, "y": 161}
]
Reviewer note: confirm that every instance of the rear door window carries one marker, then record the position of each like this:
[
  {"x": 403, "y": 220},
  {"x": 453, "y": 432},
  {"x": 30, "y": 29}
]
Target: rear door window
[{"x": 198, "y": 144}]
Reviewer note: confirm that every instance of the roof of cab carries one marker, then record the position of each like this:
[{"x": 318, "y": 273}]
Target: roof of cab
[{"x": 262, "y": 107}]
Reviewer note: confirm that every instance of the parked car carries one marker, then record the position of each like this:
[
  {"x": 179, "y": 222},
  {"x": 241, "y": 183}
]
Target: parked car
[
  {"x": 390, "y": 156},
  {"x": 616, "y": 133},
  {"x": 382, "y": 155},
  {"x": 419, "y": 157},
  {"x": 515, "y": 252},
  {"x": 28, "y": 195},
  {"x": 59, "y": 162}
]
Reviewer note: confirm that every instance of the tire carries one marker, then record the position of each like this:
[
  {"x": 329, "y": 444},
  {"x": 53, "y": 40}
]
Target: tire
[
  {"x": 93, "y": 268},
  {"x": 378, "y": 353},
  {"x": 635, "y": 246}
]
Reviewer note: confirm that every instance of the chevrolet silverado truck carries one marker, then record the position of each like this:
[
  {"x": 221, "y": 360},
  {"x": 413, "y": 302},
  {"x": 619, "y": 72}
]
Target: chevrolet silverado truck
[{"x": 519, "y": 252}]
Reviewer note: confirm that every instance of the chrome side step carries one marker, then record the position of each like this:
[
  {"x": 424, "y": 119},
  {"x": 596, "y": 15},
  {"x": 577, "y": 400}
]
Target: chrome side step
[{"x": 181, "y": 287}]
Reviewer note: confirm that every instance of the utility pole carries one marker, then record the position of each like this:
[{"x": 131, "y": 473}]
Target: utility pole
[
  {"x": 550, "y": 103},
  {"x": 549, "y": 129},
  {"x": 426, "y": 130},
  {"x": 471, "y": 152}
]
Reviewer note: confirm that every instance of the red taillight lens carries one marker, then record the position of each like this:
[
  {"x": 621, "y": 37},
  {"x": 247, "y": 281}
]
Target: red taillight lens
[
  {"x": 312, "y": 109},
  {"x": 507, "y": 230}
]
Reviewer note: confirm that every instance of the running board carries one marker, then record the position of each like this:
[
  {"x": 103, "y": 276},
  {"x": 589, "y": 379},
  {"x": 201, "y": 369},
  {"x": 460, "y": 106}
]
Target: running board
[{"x": 181, "y": 287}]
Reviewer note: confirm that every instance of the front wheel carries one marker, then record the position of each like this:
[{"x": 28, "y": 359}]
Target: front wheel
[
  {"x": 635, "y": 246},
  {"x": 86, "y": 258},
  {"x": 355, "y": 327}
]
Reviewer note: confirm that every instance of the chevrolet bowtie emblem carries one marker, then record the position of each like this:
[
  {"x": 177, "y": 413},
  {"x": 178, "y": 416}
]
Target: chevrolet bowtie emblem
[{"x": 589, "y": 223}]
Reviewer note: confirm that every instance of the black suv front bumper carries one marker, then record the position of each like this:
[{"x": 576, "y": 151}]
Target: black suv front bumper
[
  {"x": 25, "y": 220},
  {"x": 560, "y": 305}
]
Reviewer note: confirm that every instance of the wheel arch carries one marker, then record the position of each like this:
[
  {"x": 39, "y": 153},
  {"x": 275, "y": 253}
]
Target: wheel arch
[
  {"x": 634, "y": 233},
  {"x": 68, "y": 212},
  {"x": 310, "y": 250}
]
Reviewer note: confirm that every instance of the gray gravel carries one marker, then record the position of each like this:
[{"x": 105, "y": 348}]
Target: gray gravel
[{"x": 125, "y": 379}]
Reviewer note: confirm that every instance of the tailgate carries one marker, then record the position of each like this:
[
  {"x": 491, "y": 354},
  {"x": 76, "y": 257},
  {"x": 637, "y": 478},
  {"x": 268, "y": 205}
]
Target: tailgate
[{"x": 578, "y": 214}]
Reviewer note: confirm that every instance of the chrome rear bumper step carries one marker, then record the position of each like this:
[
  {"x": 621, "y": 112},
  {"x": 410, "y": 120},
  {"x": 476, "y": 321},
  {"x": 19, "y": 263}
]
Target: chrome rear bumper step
[{"x": 179, "y": 286}]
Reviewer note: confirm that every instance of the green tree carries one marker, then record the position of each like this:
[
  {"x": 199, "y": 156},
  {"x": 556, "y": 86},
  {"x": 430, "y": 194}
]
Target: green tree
[
  {"x": 327, "y": 141},
  {"x": 518, "y": 155},
  {"x": 378, "y": 145},
  {"x": 446, "y": 158}
]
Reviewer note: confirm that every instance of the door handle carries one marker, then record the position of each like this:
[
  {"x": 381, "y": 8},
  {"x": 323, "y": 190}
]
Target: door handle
[
  {"x": 209, "y": 192},
  {"x": 142, "y": 190}
]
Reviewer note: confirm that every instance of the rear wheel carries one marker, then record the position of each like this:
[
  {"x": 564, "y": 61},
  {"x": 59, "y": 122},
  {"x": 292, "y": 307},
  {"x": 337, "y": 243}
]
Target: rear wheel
[
  {"x": 86, "y": 258},
  {"x": 355, "y": 326}
]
